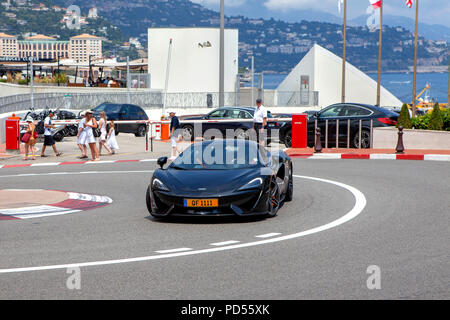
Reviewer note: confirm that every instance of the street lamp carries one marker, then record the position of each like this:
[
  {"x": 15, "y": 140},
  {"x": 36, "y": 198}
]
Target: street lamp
[{"x": 222, "y": 55}]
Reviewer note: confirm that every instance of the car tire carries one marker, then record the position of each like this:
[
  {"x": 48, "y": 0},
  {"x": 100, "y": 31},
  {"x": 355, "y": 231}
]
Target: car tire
[
  {"x": 273, "y": 199},
  {"x": 288, "y": 139},
  {"x": 148, "y": 201},
  {"x": 365, "y": 140},
  {"x": 187, "y": 132},
  {"x": 290, "y": 191},
  {"x": 58, "y": 137},
  {"x": 141, "y": 131}
]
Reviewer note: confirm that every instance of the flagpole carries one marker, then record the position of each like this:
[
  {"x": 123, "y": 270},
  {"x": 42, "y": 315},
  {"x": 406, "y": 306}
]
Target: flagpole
[
  {"x": 448, "y": 81},
  {"x": 379, "y": 57},
  {"x": 415, "y": 61},
  {"x": 344, "y": 51}
]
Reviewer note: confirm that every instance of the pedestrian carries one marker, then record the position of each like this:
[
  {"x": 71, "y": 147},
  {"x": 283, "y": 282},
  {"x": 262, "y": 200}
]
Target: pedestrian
[
  {"x": 260, "y": 122},
  {"x": 89, "y": 126},
  {"x": 102, "y": 141},
  {"x": 111, "y": 138},
  {"x": 30, "y": 139},
  {"x": 174, "y": 133},
  {"x": 81, "y": 136},
  {"x": 48, "y": 137}
]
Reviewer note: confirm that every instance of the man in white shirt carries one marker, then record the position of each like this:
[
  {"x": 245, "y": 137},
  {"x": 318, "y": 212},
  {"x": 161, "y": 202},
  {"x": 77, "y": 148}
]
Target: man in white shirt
[
  {"x": 260, "y": 122},
  {"x": 48, "y": 137}
]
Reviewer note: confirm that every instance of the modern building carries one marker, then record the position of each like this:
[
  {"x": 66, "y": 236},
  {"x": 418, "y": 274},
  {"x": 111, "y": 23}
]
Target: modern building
[
  {"x": 194, "y": 59},
  {"x": 42, "y": 47},
  {"x": 321, "y": 71}
]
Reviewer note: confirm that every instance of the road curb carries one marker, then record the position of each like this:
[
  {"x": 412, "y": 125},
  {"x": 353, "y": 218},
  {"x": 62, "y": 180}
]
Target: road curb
[
  {"x": 27, "y": 165},
  {"x": 337, "y": 156}
]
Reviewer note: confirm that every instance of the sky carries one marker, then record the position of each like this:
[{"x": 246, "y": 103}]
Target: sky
[{"x": 431, "y": 11}]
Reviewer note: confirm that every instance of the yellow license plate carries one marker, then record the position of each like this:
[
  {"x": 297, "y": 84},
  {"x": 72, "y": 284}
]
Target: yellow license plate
[{"x": 201, "y": 203}]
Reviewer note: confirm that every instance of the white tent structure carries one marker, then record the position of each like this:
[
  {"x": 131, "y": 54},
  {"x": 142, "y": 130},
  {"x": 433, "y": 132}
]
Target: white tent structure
[{"x": 321, "y": 70}]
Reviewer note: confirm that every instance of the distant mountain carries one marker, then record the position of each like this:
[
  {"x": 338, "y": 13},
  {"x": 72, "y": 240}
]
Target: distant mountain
[
  {"x": 429, "y": 31},
  {"x": 277, "y": 45}
]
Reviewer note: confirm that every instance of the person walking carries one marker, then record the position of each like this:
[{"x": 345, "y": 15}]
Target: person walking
[
  {"x": 102, "y": 141},
  {"x": 89, "y": 126},
  {"x": 30, "y": 139},
  {"x": 111, "y": 138},
  {"x": 260, "y": 122},
  {"x": 81, "y": 137},
  {"x": 174, "y": 133},
  {"x": 48, "y": 137}
]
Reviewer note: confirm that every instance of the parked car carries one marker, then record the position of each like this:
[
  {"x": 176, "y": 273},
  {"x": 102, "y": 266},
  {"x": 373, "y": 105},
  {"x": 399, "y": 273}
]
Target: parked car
[
  {"x": 226, "y": 113},
  {"x": 124, "y": 112},
  {"x": 343, "y": 112}
]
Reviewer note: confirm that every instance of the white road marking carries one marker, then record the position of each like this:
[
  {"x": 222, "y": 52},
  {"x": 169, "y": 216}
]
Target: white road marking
[
  {"x": 46, "y": 164},
  {"x": 174, "y": 250},
  {"x": 360, "y": 204},
  {"x": 225, "y": 243},
  {"x": 326, "y": 156},
  {"x": 268, "y": 235}
]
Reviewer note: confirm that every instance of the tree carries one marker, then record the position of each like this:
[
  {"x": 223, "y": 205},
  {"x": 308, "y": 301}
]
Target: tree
[
  {"x": 436, "y": 121},
  {"x": 404, "y": 120}
]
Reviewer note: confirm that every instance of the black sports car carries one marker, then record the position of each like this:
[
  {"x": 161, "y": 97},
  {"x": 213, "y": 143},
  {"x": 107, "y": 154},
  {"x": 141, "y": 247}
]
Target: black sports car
[{"x": 221, "y": 178}]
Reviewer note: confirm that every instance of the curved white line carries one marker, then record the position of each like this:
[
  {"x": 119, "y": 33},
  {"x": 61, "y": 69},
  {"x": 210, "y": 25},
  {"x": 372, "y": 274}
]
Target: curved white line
[{"x": 357, "y": 209}]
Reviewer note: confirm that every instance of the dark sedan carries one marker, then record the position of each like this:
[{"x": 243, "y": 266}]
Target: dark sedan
[
  {"x": 124, "y": 112},
  {"x": 353, "y": 112},
  {"x": 221, "y": 178},
  {"x": 241, "y": 129}
]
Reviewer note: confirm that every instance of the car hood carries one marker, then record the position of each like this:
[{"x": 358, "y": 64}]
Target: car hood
[{"x": 204, "y": 183}]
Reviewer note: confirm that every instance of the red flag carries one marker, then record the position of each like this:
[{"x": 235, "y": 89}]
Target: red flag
[
  {"x": 376, "y": 4},
  {"x": 409, "y": 3}
]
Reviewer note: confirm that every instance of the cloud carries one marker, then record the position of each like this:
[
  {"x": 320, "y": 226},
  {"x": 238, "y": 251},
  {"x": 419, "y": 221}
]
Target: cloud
[{"x": 228, "y": 3}]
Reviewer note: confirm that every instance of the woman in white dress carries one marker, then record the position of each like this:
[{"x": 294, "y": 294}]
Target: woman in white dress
[
  {"x": 104, "y": 133},
  {"x": 81, "y": 137},
  {"x": 112, "y": 142},
  {"x": 89, "y": 126}
]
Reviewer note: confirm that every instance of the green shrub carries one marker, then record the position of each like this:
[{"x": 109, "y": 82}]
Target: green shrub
[
  {"x": 22, "y": 82},
  {"x": 404, "y": 120},
  {"x": 421, "y": 122},
  {"x": 436, "y": 121},
  {"x": 446, "y": 118},
  {"x": 3, "y": 80}
]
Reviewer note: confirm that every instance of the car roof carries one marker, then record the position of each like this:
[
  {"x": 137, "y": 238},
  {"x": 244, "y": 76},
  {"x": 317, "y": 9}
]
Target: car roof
[{"x": 369, "y": 106}]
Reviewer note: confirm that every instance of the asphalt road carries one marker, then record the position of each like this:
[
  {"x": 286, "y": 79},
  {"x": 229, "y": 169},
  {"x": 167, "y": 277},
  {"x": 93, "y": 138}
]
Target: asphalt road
[{"x": 403, "y": 229}]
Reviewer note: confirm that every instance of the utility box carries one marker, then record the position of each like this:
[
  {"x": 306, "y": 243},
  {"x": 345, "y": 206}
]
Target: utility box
[
  {"x": 299, "y": 131},
  {"x": 12, "y": 130}
]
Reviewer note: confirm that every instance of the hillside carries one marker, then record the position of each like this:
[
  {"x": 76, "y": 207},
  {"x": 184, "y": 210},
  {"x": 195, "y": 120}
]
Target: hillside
[{"x": 277, "y": 45}]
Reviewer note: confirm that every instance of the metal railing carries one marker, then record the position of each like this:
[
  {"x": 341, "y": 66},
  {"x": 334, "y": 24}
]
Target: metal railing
[
  {"x": 342, "y": 134},
  {"x": 153, "y": 99}
]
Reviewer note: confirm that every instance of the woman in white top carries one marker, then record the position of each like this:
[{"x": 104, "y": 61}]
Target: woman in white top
[
  {"x": 89, "y": 127},
  {"x": 112, "y": 142},
  {"x": 104, "y": 133},
  {"x": 81, "y": 137}
]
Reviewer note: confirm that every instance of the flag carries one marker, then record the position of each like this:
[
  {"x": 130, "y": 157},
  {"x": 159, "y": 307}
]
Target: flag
[
  {"x": 376, "y": 4},
  {"x": 340, "y": 3},
  {"x": 409, "y": 3}
]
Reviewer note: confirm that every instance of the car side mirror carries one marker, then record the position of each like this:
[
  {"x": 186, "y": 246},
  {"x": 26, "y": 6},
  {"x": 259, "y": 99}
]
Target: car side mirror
[
  {"x": 317, "y": 115},
  {"x": 162, "y": 162}
]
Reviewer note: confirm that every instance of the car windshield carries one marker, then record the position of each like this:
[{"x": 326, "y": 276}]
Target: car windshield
[
  {"x": 111, "y": 108},
  {"x": 222, "y": 155}
]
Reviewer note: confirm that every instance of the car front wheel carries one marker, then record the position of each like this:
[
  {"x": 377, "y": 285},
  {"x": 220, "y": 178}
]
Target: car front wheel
[{"x": 365, "y": 140}]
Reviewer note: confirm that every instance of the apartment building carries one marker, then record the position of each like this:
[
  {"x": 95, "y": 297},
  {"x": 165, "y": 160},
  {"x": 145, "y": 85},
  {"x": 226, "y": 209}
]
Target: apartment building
[{"x": 78, "y": 48}]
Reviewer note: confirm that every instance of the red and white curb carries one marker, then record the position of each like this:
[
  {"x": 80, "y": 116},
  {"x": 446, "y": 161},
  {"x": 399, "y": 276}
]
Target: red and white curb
[
  {"x": 335, "y": 156},
  {"x": 76, "y": 202},
  {"x": 52, "y": 164}
]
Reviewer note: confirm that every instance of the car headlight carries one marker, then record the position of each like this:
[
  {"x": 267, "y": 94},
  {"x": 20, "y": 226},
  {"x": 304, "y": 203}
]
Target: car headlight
[
  {"x": 159, "y": 185},
  {"x": 253, "y": 184}
]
